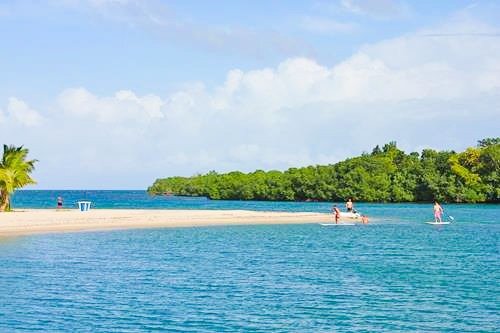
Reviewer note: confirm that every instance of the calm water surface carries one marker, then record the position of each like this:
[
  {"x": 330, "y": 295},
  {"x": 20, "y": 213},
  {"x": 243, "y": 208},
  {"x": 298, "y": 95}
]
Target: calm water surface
[{"x": 394, "y": 275}]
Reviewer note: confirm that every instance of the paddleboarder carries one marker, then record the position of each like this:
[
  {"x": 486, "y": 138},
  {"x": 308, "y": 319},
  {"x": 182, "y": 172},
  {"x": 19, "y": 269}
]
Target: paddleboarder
[{"x": 438, "y": 211}]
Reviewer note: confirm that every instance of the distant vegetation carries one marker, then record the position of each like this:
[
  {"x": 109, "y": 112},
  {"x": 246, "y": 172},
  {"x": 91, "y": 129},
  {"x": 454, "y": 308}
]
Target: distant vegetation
[
  {"x": 15, "y": 170},
  {"x": 387, "y": 174}
]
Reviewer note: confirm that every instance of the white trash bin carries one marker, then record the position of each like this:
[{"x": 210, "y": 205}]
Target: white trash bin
[{"x": 84, "y": 206}]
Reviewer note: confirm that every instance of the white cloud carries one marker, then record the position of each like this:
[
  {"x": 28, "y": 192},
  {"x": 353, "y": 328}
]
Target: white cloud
[
  {"x": 124, "y": 105},
  {"x": 274, "y": 116},
  {"x": 408, "y": 68},
  {"x": 19, "y": 111},
  {"x": 418, "y": 89}
]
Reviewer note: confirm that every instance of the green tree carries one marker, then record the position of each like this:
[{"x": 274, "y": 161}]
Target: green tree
[
  {"x": 387, "y": 174},
  {"x": 488, "y": 142},
  {"x": 15, "y": 171},
  {"x": 489, "y": 171}
]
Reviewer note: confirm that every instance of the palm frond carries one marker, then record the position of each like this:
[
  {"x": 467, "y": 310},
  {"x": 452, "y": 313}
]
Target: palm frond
[{"x": 15, "y": 168}]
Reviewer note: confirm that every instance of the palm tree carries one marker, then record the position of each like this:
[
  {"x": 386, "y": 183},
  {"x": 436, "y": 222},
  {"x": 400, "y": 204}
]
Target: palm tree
[{"x": 15, "y": 172}]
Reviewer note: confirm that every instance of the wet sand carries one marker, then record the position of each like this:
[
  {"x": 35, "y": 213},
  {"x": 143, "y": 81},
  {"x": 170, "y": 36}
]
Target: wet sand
[{"x": 37, "y": 221}]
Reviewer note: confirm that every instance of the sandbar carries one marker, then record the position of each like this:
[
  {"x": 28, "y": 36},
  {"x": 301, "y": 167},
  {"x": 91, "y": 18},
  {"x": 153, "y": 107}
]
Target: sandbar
[{"x": 39, "y": 221}]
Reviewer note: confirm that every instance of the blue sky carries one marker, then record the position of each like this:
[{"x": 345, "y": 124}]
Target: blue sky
[{"x": 115, "y": 93}]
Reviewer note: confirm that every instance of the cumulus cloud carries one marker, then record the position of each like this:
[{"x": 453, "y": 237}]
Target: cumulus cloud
[
  {"x": 294, "y": 112},
  {"x": 397, "y": 70},
  {"x": 417, "y": 89},
  {"x": 412, "y": 67},
  {"x": 123, "y": 106},
  {"x": 18, "y": 111}
]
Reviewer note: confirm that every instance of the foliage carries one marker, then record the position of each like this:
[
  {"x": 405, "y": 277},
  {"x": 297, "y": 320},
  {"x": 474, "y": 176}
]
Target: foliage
[
  {"x": 488, "y": 142},
  {"x": 15, "y": 172},
  {"x": 386, "y": 175}
]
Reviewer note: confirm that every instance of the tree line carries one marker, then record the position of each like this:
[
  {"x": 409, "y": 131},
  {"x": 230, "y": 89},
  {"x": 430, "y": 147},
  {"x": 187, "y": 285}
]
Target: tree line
[{"x": 387, "y": 174}]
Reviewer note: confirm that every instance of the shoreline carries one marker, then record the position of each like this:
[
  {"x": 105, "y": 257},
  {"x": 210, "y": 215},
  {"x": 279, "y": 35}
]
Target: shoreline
[{"x": 42, "y": 221}]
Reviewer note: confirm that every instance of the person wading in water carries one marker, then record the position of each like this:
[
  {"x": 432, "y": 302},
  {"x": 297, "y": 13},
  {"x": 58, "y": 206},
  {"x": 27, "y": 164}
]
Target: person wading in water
[
  {"x": 349, "y": 205},
  {"x": 336, "y": 212}
]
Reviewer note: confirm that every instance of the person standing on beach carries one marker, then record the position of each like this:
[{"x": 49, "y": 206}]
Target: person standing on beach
[
  {"x": 59, "y": 202},
  {"x": 438, "y": 211},
  {"x": 336, "y": 212},
  {"x": 349, "y": 205}
]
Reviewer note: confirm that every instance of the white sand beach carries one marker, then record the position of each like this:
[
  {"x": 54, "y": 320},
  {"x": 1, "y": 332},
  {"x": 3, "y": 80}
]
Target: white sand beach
[{"x": 36, "y": 221}]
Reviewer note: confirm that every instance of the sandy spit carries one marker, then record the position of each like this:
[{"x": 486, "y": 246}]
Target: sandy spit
[{"x": 37, "y": 221}]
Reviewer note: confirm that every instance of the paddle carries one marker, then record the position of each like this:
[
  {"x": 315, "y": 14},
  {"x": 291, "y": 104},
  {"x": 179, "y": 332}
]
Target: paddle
[{"x": 451, "y": 218}]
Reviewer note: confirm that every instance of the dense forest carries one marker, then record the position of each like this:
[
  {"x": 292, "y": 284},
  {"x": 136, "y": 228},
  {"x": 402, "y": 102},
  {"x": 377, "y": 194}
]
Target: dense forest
[{"x": 386, "y": 174}]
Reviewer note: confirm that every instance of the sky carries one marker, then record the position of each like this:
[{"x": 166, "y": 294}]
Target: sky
[{"x": 112, "y": 94}]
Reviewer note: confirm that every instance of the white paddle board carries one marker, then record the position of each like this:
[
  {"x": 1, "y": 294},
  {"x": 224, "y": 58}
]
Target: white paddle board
[
  {"x": 334, "y": 224},
  {"x": 437, "y": 223}
]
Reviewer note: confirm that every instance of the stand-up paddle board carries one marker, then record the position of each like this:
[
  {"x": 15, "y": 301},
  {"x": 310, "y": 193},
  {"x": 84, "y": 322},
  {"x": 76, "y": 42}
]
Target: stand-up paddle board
[
  {"x": 437, "y": 223},
  {"x": 334, "y": 224}
]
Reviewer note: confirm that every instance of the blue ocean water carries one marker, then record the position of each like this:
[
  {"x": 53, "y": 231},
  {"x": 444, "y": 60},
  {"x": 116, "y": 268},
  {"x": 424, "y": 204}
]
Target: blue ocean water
[{"x": 396, "y": 274}]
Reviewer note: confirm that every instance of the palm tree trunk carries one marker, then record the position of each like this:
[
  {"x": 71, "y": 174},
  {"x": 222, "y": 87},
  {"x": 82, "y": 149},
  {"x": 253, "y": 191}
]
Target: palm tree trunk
[{"x": 4, "y": 201}]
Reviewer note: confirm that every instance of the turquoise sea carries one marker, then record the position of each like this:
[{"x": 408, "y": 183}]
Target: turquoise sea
[{"x": 396, "y": 274}]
